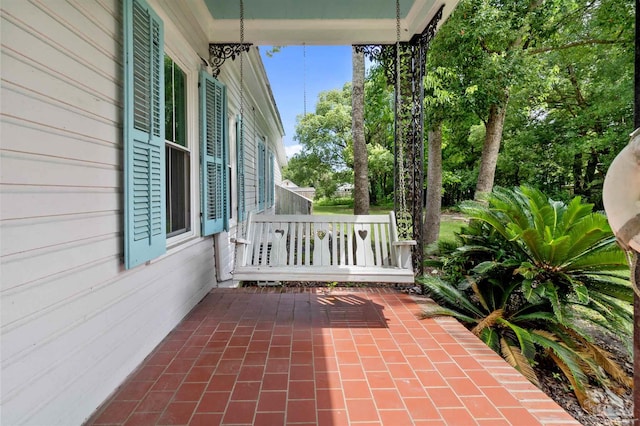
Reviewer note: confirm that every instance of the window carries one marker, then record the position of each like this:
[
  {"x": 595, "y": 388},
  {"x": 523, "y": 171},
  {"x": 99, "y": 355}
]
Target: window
[
  {"x": 177, "y": 152},
  {"x": 265, "y": 171},
  {"x": 156, "y": 152}
]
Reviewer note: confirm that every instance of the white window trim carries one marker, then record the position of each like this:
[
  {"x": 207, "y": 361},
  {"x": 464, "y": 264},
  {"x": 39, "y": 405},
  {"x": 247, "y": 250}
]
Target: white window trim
[{"x": 189, "y": 65}]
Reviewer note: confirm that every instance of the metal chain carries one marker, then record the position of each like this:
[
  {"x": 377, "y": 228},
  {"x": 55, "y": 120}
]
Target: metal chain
[
  {"x": 241, "y": 66},
  {"x": 304, "y": 78},
  {"x": 398, "y": 21}
]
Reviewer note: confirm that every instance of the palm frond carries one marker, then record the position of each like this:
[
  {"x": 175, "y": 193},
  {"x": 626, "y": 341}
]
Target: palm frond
[
  {"x": 534, "y": 316},
  {"x": 533, "y": 244},
  {"x": 439, "y": 311},
  {"x": 557, "y": 250},
  {"x": 551, "y": 293},
  {"x": 451, "y": 297},
  {"x": 579, "y": 389},
  {"x": 603, "y": 359},
  {"x": 616, "y": 290},
  {"x": 589, "y": 232},
  {"x": 478, "y": 293},
  {"x": 574, "y": 212},
  {"x": 491, "y": 338},
  {"x": 517, "y": 360},
  {"x": 487, "y": 321},
  {"x": 551, "y": 342},
  {"x": 524, "y": 338}
]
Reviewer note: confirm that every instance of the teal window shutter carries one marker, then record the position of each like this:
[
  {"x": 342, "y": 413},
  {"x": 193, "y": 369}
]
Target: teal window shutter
[
  {"x": 272, "y": 184},
  {"x": 143, "y": 126},
  {"x": 240, "y": 169},
  {"x": 261, "y": 175},
  {"x": 213, "y": 155}
]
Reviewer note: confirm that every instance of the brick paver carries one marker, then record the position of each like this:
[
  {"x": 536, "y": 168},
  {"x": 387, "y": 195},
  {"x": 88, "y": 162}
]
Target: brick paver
[{"x": 300, "y": 357}]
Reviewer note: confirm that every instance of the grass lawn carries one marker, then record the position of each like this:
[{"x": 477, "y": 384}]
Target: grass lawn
[
  {"x": 448, "y": 227},
  {"x": 348, "y": 210}
]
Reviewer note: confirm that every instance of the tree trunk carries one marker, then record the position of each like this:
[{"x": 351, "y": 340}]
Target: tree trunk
[
  {"x": 360, "y": 158},
  {"x": 578, "y": 186},
  {"x": 434, "y": 186},
  {"x": 490, "y": 149}
]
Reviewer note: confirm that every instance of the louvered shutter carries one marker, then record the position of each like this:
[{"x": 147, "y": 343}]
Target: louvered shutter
[
  {"x": 261, "y": 175},
  {"x": 240, "y": 168},
  {"x": 213, "y": 155},
  {"x": 272, "y": 185},
  {"x": 144, "y": 154}
]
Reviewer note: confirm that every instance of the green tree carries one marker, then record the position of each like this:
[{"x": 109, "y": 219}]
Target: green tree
[
  {"x": 326, "y": 133},
  {"x": 379, "y": 122},
  {"x": 327, "y": 142},
  {"x": 579, "y": 116},
  {"x": 526, "y": 58}
]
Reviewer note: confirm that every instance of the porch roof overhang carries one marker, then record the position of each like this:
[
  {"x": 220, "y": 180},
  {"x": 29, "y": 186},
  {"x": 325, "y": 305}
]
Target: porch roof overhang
[{"x": 314, "y": 22}]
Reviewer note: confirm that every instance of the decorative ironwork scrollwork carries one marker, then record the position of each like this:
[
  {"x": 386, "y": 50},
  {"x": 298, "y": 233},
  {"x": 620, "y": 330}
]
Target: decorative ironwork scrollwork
[
  {"x": 384, "y": 54},
  {"x": 220, "y": 52}
]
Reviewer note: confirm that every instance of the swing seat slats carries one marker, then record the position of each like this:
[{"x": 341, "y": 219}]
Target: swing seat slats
[{"x": 341, "y": 248}]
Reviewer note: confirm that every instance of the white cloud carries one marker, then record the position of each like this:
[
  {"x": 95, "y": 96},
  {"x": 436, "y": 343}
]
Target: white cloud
[{"x": 291, "y": 150}]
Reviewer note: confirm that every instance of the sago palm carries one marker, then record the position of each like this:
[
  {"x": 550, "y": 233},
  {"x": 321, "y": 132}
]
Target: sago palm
[{"x": 541, "y": 276}]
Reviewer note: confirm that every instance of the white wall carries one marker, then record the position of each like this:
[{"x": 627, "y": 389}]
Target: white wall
[{"x": 74, "y": 322}]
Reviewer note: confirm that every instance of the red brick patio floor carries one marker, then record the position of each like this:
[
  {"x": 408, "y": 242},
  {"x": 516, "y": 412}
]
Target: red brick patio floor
[{"x": 271, "y": 357}]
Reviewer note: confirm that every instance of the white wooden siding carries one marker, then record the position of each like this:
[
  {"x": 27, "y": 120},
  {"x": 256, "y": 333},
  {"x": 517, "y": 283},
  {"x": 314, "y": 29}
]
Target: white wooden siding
[{"x": 74, "y": 322}]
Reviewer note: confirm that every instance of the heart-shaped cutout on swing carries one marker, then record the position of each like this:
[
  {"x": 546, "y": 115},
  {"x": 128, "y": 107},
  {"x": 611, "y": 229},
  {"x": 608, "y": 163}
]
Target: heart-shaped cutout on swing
[
  {"x": 321, "y": 234},
  {"x": 363, "y": 233},
  {"x": 280, "y": 232}
]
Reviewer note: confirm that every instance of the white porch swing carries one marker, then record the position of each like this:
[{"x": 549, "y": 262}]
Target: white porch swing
[{"x": 328, "y": 248}]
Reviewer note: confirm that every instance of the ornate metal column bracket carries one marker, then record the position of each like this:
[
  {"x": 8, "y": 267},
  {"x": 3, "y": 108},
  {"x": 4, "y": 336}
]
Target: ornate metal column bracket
[
  {"x": 430, "y": 30},
  {"x": 384, "y": 54},
  {"x": 424, "y": 39},
  {"x": 220, "y": 52}
]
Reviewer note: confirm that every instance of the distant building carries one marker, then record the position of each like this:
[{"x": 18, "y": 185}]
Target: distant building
[{"x": 344, "y": 190}]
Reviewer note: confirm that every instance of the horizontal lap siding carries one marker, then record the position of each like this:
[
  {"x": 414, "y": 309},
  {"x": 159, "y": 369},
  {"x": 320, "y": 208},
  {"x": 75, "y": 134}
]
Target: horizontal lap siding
[{"x": 74, "y": 322}]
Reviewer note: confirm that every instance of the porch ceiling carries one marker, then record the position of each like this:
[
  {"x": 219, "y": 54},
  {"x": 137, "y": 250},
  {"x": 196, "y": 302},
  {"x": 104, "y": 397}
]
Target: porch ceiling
[{"x": 323, "y": 22}]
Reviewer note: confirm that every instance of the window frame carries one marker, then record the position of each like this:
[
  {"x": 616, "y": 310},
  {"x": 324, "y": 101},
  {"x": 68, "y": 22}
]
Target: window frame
[{"x": 188, "y": 61}]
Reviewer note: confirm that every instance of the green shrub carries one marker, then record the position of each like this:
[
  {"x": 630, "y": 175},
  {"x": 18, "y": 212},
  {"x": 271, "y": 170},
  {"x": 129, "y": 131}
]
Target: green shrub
[
  {"x": 342, "y": 201},
  {"x": 536, "y": 279}
]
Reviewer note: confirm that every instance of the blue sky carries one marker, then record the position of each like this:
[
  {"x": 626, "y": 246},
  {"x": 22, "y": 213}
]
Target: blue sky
[{"x": 327, "y": 67}]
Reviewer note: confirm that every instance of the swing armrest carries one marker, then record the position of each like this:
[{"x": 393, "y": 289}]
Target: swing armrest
[
  {"x": 403, "y": 253},
  {"x": 404, "y": 243},
  {"x": 240, "y": 241}
]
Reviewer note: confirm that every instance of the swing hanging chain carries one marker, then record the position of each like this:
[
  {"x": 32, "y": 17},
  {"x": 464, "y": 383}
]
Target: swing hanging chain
[
  {"x": 241, "y": 68},
  {"x": 304, "y": 78}
]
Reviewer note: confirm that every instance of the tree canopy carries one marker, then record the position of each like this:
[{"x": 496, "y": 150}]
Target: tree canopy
[{"x": 559, "y": 71}]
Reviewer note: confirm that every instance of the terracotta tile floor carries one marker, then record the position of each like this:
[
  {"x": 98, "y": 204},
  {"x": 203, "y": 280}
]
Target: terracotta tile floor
[{"x": 357, "y": 357}]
